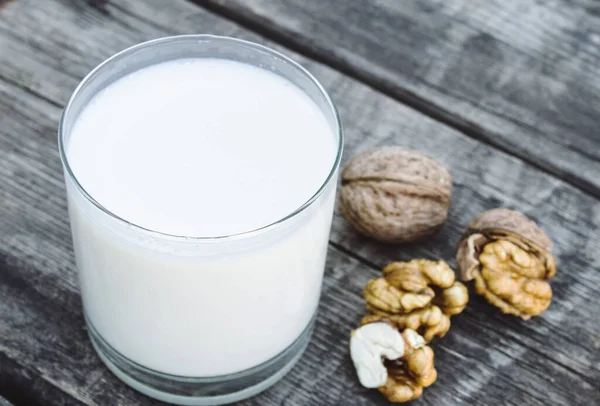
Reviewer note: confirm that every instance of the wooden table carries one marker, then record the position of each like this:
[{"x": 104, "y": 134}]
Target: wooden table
[{"x": 505, "y": 92}]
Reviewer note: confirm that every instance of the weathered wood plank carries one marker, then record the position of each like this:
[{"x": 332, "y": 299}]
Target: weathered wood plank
[
  {"x": 26, "y": 387},
  {"x": 486, "y": 357},
  {"x": 521, "y": 75},
  {"x": 4, "y": 402}
]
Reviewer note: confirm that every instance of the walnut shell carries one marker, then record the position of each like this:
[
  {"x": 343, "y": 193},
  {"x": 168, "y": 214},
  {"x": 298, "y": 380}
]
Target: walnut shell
[
  {"x": 394, "y": 194},
  {"x": 510, "y": 258}
]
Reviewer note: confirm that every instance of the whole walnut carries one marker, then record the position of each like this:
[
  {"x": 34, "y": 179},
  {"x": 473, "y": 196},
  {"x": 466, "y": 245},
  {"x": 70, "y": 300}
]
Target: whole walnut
[
  {"x": 394, "y": 194},
  {"x": 420, "y": 295},
  {"x": 510, "y": 259}
]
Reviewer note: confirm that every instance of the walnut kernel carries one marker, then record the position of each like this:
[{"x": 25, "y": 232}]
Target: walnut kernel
[
  {"x": 510, "y": 259},
  {"x": 408, "y": 366},
  {"x": 419, "y": 295}
]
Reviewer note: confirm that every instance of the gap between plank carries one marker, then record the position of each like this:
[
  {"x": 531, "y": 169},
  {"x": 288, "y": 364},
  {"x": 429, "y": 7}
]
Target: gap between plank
[
  {"x": 31, "y": 92},
  {"x": 354, "y": 256},
  {"x": 404, "y": 96},
  {"x": 17, "y": 385},
  {"x": 510, "y": 338}
]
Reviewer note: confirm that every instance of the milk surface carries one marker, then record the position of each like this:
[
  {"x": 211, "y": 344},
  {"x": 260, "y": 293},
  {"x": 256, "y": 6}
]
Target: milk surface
[{"x": 200, "y": 148}]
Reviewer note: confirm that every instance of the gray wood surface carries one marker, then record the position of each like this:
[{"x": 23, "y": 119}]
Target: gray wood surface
[
  {"x": 519, "y": 74},
  {"x": 487, "y": 358},
  {"x": 4, "y": 402}
]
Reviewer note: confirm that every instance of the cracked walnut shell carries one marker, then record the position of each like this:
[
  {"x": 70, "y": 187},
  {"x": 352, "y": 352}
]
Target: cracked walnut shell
[
  {"x": 395, "y": 194},
  {"x": 420, "y": 295},
  {"x": 510, "y": 259}
]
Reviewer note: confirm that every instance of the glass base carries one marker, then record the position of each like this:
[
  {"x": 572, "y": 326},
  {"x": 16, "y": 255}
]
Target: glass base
[{"x": 189, "y": 391}]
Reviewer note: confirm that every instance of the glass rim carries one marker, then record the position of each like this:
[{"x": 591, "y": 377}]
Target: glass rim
[{"x": 240, "y": 42}]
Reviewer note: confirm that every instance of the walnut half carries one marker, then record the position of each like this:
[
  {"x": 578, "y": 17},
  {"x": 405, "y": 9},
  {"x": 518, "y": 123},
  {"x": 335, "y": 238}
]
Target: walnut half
[
  {"x": 400, "y": 365},
  {"x": 510, "y": 259},
  {"x": 419, "y": 295}
]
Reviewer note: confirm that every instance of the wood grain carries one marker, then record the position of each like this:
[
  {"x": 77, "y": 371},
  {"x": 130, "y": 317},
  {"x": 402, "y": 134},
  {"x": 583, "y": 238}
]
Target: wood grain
[
  {"x": 487, "y": 358},
  {"x": 519, "y": 75}
]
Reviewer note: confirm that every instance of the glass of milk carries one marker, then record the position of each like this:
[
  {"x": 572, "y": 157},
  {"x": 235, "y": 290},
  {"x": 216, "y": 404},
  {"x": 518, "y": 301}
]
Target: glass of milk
[{"x": 200, "y": 174}]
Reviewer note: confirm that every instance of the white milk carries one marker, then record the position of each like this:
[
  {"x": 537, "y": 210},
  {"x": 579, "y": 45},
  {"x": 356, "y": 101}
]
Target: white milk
[{"x": 201, "y": 148}]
